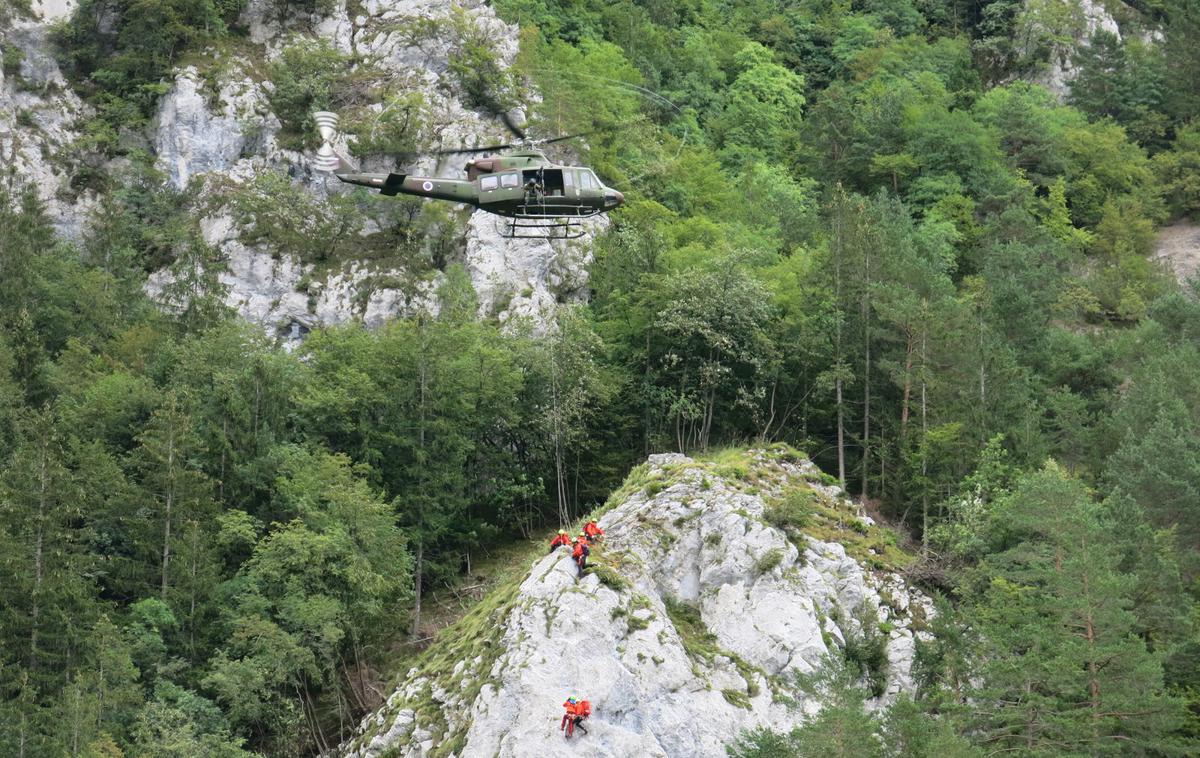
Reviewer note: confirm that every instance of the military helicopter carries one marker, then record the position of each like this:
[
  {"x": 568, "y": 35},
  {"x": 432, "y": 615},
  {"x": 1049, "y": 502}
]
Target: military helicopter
[{"x": 535, "y": 197}]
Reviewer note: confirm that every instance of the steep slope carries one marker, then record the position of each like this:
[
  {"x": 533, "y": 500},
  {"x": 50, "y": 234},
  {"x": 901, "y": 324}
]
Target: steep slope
[{"x": 699, "y": 612}]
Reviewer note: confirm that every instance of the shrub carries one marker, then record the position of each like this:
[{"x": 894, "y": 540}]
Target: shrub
[
  {"x": 793, "y": 512},
  {"x": 11, "y": 61},
  {"x": 608, "y": 576},
  {"x": 395, "y": 130},
  {"x": 867, "y": 652},
  {"x": 310, "y": 75},
  {"x": 769, "y": 561},
  {"x": 476, "y": 67}
]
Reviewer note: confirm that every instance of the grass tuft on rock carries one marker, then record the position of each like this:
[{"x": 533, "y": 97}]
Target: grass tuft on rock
[
  {"x": 769, "y": 561},
  {"x": 737, "y": 698}
]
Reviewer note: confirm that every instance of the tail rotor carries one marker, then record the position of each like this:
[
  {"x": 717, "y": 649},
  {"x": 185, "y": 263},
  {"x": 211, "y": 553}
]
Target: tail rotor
[{"x": 329, "y": 158}]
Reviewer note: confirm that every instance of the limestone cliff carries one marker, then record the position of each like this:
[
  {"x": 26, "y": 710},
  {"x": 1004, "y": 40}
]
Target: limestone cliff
[{"x": 718, "y": 582}]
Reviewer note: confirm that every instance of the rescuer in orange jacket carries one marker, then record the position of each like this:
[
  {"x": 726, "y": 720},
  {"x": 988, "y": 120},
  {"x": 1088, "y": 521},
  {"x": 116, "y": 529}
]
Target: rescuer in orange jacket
[
  {"x": 562, "y": 538},
  {"x": 593, "y": 530},
  {"x": 576, "y": 711},
  {"x": 581, "y": 553}
]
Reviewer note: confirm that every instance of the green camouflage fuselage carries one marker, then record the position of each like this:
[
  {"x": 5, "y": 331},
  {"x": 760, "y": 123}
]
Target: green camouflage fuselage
[{"x": 517, "y": 185}]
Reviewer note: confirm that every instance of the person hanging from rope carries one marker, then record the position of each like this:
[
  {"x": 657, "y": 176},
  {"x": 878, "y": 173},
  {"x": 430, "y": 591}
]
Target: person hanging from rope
[
  {"x": 593, "y": 531},
  {"x": 562, "y": 539},
  {"x": 581, "y": 553}
]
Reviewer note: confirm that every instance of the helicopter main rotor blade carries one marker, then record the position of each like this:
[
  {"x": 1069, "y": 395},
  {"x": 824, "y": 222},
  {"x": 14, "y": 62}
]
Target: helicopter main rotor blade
[
  {"x": 484, "y": 149},
  {"x": 552, "y": 140}
]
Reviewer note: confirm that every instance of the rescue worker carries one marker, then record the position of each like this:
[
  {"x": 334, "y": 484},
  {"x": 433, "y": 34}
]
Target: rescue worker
[
  {"x": 581, "y": 553},
  {"x": 576, "y": 711},
  {"x": 568, "y": 718},
  {"x": 561, "y": 539},
  {"x": 593, "y": 530}
]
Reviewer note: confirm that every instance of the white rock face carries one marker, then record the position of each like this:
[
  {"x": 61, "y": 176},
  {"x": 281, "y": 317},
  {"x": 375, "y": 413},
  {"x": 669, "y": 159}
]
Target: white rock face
[
  {"x": 38, "y": 112},
  {"x": 1095, "y": 18},
  {"x": 700, "y": 540},
  {"x": 191, "y": 140}
]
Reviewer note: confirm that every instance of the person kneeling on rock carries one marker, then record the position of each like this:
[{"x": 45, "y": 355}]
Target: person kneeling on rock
[
  {"x": 577, "y": 711},
  {"x": 593, "y": 531},
  {"x": 562, "y": 538},
  {"x": 581, "y": 553}
]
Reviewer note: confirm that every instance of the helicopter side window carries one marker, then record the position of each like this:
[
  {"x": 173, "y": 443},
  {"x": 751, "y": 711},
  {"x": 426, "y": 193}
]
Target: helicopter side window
[
  {"x": 592, "y": 181},
  {"x": 585, "y": 180},
  {"x": 489, "y": 182},
  {"x": 510, "y": 180}
]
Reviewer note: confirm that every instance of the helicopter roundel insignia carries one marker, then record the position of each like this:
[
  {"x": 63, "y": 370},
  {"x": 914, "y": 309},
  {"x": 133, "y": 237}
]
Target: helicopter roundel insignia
[{"x": 427, "y": 186}]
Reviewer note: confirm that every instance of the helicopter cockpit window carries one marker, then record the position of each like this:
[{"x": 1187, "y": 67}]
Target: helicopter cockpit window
[
  {"x": 591, "y": 180},
  {"x": 585, "y": 180},
  {"x": 510, "y": 180},
  {"x": 489, "y": 183}
]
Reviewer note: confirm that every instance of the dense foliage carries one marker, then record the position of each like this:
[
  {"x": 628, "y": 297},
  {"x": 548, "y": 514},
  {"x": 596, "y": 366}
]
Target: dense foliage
[{"x": 855, "y": 227}]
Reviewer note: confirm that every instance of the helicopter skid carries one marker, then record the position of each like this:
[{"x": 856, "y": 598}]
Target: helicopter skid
[{"x": 540, "y": 227}]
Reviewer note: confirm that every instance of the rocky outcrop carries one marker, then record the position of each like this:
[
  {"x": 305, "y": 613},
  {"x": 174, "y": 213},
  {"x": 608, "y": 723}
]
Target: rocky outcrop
[
  {"x": 1178, "y": 250},
  {"x": 1093, "y": 17},
  {"x": 191, "y": 139},
  {"x": 38, "y": 115},
  {"x": 693, "y": 627}
]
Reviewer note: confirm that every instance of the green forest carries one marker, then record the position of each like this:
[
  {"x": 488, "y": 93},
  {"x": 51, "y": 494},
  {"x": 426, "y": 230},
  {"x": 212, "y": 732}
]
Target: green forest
[{"x": 854, "y": 227}]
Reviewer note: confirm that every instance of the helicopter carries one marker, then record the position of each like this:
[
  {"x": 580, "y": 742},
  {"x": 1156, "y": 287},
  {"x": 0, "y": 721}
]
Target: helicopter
[{"x": 535, "y": 197}]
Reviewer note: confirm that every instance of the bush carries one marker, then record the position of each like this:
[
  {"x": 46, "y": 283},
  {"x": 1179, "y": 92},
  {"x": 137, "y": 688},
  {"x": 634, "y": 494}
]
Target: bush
[
  {"x": 11, "y": 61},
  {"x": 476, "y": 67},
  {"x": 310, "y": 75},
  {"x": 608, "y": 576},
  {"x": 867, "y": 652},
  {"x": 793, "y": 512},
  {"x": 769, "y": 561}
]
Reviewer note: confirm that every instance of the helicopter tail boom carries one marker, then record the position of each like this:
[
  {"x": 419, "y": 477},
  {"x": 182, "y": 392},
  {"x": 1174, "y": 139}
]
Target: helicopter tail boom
[{"x": 402, "y": 184}]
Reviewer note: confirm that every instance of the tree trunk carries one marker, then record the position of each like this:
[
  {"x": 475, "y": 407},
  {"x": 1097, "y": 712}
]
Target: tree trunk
[
  {"x": 418, "y": 567},
  {"x": 168, "y": 504},
  {"x": 924, "y": 455},
  {"x": 841, "y": 433},
  {"x": 39, "y": 538},
  {"x": 866, "y": 317},
  {"x": 907, "y": 390}
]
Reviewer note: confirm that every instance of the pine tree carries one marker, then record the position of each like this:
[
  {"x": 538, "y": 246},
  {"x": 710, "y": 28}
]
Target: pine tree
[
  {"x": 1062, "y": 671},
  {"x": 175, "y": 489}
]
